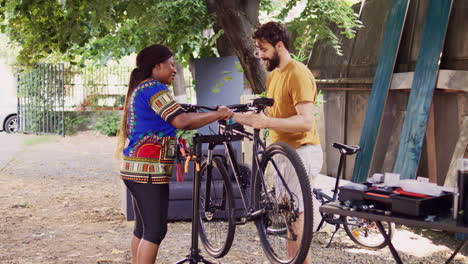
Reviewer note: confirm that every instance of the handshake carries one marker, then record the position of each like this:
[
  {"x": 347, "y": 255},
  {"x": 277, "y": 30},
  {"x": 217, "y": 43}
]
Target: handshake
[{"x": 225, "y": 113}]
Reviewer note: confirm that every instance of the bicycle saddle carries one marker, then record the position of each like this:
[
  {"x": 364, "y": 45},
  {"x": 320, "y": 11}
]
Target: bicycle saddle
[{"x": 346, "y": 149}]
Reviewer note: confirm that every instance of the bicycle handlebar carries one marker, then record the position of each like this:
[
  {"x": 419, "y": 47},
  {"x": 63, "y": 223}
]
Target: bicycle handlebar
[
  {"x": 194, "y": 108},
  {"x": 257, "y": 105}
]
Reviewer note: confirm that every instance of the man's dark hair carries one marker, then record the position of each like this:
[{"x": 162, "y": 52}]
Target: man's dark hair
[{"x": 272, "y": 32}]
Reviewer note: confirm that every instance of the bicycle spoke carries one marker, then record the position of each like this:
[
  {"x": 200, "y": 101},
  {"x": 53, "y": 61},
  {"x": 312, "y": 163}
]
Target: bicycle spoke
[
  {"x": 216, "y": 203},
  {"x": 284, "y": 192},
  {"x": 365, "y": 233}
]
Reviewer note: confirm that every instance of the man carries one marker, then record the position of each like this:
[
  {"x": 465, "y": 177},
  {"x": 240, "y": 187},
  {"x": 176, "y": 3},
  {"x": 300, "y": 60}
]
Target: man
[{"x": 291, "y": 118}]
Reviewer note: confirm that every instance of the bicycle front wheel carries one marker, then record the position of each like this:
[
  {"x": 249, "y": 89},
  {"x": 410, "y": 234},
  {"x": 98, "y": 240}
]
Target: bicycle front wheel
[
  {"x": 284, "y": 198},
  {"x": 366, "y": 234},
  {"x": 216, "y": 207}
]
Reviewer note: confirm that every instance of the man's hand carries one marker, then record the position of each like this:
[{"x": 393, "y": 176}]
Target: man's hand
[
  {"x": 225, "y": 113},
  {"x": 259, "y": 120},
  {"x": 302, "y": 122},
  {"x": 252, "y": 119}
]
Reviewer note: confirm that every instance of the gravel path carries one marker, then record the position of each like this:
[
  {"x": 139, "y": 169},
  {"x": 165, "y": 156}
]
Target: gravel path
[{"x": 60, "y": 203}]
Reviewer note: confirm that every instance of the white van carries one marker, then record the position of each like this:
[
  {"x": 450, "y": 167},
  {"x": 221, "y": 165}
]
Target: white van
[
  {"x": 8, "y": 119},
  {"x": 8, "y": 100}
]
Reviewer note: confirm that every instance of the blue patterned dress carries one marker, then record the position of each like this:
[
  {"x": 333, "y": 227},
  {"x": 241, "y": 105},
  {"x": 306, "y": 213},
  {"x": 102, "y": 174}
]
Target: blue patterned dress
[{"x": 149, "y": 156}]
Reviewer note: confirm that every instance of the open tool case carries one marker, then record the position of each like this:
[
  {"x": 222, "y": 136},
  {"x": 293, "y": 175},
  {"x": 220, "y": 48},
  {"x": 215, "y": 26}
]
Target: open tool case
[
  {"x": 399, "y": 201},
  {"x": 416, "y": 204}
]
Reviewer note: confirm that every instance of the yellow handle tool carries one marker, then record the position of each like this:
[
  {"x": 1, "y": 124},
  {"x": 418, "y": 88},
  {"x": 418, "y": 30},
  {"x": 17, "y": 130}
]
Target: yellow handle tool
[{"x": 187, "y": 160}]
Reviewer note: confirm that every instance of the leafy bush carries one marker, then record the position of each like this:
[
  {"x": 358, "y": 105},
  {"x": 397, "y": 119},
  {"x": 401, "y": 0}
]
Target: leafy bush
[
  {"x": 108, "y": 124},
  {"x": 74, "y": 121},
  {"x": 187, "y": 135}
]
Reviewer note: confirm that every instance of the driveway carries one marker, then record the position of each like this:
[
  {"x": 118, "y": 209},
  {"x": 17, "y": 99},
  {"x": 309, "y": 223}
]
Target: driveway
[
  {"x": 60, "y": 203},
  {"x": 10, "y": 144}
]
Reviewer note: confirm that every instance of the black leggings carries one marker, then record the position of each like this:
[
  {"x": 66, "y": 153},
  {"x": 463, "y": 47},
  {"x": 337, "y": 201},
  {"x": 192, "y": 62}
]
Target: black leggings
[{"x": 150, "y": 204}]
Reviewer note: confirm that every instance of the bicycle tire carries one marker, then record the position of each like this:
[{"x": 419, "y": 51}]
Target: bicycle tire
[
  {"x": 281, "y": 208},
  {"x": 366, "y": 234},
  {"x": 217, "y": 226}
]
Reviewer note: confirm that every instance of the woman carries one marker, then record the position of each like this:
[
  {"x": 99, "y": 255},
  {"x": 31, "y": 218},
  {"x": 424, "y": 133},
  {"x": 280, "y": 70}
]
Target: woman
[{"x": 149, "y": 122}]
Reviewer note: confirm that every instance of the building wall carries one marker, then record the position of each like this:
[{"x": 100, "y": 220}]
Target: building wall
[
  {"x": 346, "y": 81},
  {"x": 7, "y": 86}
]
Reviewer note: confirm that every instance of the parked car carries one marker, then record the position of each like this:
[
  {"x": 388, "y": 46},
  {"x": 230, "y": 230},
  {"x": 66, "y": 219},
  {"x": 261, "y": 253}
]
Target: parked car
[{"x": 8, "y": 119}]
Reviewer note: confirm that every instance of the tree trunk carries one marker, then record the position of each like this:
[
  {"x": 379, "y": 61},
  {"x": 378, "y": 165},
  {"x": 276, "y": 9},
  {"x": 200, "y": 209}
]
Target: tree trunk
[
  {"x": 238, "y": 19},
  {"x": 223, "y": 45},
  {"x": 179, "y": 84}
]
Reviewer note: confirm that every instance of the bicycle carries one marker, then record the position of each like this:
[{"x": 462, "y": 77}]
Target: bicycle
[
  {"x": 361, "y": 231},
  {"x": 279, "y": 210}
]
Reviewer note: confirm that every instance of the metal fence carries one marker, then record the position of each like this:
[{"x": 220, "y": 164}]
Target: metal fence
[
  {"x": 47, "y": 93},
  {"x": 104, "y": 88},
  {"x": 95, "y": 88},
  {"x": 41, "y": 100}
]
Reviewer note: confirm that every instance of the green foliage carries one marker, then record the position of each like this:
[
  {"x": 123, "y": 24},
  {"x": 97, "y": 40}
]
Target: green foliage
[
  {"x": 108, "y": 124},
  {"x": 8, "y": 52},
  {"x": 238, "y": 67},
  {"x": 320, "y": 100},
  {"x": 300, "y": 56},
  {"x": 266, "y": 134},
  {"x": 222, "y": 81},
  {"x": 95, "y": 30},
  {"x": 39, "y": 140},
  {"x": 74, "y": 121},
  {"x": 313, "y": 23},
  {"x": 76, "y": 31},
  {"x": 187, "y": 135},
  {"x": 267, "y": 5},
  {"x": 41, "y": 28}
]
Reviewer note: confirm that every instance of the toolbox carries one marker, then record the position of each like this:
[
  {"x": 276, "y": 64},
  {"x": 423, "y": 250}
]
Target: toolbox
[
  {"x": 346, "y": 194},
  {"x": 399, "y": 201},
  {"x": 381, "y": 199},
  {"x": 421, "y": 205}
]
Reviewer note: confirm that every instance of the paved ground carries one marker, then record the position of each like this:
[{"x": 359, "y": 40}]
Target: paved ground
[
  {"x": 10, "y": 145},
  {"x": 60, "y": 203}
]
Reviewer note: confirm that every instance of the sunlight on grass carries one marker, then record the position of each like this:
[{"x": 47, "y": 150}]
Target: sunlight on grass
[{"x": 34, "y": 140}]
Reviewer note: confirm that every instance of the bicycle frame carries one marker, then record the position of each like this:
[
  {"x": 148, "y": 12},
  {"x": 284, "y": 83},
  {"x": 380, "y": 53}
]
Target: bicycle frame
[
  {"x": 324, "y": 198},
  {"x": 225, "y": 137},
  {"x": 258, "y": 145}
]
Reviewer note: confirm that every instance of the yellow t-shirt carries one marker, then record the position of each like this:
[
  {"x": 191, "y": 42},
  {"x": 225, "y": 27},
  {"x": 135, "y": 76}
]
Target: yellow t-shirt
[{"x": 288, "y": 87}]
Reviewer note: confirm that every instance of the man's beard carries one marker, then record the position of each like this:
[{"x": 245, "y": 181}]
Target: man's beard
[{"x": 273, "y": 62}]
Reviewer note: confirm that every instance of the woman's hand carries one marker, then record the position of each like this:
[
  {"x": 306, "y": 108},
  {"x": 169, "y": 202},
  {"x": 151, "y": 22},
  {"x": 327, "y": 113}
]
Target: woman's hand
[{"x": 225, "y": 113}]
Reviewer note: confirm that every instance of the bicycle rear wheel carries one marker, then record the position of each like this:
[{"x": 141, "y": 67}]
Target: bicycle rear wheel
[
  {"x": 284, "y": 196},
  {"x": 365, "y": 233},
  {"x": 216, "y": 207}
]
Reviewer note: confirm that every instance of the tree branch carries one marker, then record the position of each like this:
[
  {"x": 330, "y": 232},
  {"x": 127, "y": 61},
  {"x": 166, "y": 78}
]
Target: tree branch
[{"x": 238, "y": 24}]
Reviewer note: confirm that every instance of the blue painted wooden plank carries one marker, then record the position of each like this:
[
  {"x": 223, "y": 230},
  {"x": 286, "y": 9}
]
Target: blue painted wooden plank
[
  {"x": 383, "y": 77},
  {"x": 422, "y": 89}
]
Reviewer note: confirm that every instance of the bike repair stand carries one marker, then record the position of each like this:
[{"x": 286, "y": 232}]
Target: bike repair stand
[{"x": 194, "y": 256}]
